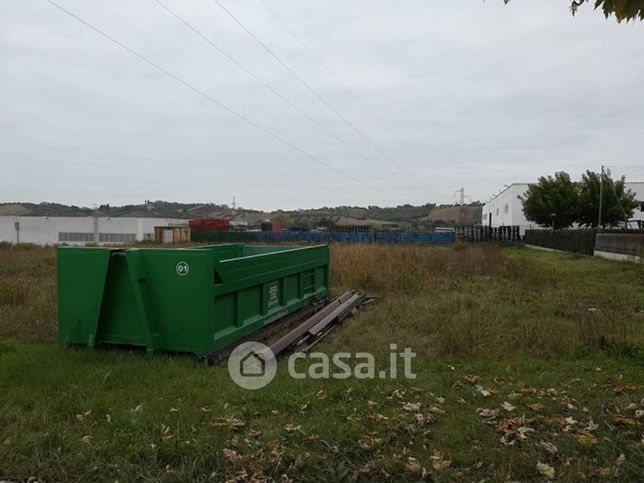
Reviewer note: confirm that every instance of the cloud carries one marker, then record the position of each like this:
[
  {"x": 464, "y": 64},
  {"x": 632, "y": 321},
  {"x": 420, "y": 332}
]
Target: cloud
[{"x": 476, "y": 94}]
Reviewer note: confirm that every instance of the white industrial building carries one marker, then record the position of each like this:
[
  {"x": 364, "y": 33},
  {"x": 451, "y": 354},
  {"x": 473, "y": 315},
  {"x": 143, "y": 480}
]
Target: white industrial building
[
  {"x": 73, "y": 230},
  {"x": 506, "y": 208}
]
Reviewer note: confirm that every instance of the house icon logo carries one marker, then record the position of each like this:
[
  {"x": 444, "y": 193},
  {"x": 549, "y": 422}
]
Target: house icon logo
[{"x": 252, "y": 365}]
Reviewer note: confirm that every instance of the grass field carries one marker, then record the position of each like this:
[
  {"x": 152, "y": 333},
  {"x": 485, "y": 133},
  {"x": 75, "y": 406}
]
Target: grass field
[{"x": 530, "y": 366}]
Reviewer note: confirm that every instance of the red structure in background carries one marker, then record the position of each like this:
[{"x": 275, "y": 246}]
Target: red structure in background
[
  {"x": 209, "y": 224},
  {"x": 274, "y": 227}
]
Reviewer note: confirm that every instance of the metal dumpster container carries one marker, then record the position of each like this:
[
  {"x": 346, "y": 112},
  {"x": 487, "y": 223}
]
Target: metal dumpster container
[{"x": 196, "y": 299}]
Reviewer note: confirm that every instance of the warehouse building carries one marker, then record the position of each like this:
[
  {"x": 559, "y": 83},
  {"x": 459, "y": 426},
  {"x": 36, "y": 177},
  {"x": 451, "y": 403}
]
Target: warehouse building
[
  {"x": 506, "y": 208},
  {"x": 72, "y": 230}
]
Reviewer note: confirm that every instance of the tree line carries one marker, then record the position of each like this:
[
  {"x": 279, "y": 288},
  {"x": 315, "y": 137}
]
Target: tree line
[{"x": 559, "y": 202}]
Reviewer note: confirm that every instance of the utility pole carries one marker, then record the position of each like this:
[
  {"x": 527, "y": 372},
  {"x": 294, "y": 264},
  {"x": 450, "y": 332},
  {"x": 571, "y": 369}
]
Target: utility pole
[
  {"x": 601, "y": 195},
  {"x": 462, "y": 196}
]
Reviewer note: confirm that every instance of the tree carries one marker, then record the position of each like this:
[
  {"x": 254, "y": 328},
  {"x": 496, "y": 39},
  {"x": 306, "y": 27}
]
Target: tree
[
  {"x": 622, "y": 9},
  {"x": 618, "y": 203},
  {"x": 283, "y": 219},
  {"x": 553, "y": 201}
]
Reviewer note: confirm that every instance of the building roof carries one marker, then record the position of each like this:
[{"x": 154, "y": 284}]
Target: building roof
[
  {"x": 507, "y": 187},
  {"x": 636, "y": 186}
]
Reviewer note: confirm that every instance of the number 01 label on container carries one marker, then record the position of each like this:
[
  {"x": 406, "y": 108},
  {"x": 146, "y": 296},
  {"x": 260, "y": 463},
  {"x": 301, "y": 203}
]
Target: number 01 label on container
[{"x": 273, "y": 289}]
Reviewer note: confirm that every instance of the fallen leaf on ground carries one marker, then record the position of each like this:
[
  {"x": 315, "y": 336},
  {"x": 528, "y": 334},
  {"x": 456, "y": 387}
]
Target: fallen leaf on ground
[
  {"x": 231, "y": 455},
  {"x": 436, "y": 410},
  {"x": 83, "y": 416},
  {"x": 586, "y": 438},
  {"x": 527, "y": 390},
  {"x": 229, "y": 421},
  {"x": 549, "y": 447},
  {"x": 291, "y": 428},
  {"x": 398, "y": 393},
  {"x": 513, "y": 430},
  {"x": 370, "y": 442},
  {"x": 592, "y": 426},
  {"x": 545, "y": 470},
  {"x": 370, "y": 469},
  {"x": 424, "y": 419},
  {"x": 481, "y": 391},
  {"x": 413, "y": 467},
  {"x": 536, "y": 406},
  {"x": 487, "y": 415},
  {"x": 439, "y": 462},
  {"x": 622, "y": 421},
  {"x": 378, "y": 417},
  {"x": 165, "y": 433},
  {"x": 508, "y": 407},
  {"x": 621, "y": 459},
  {"x": 411, "y": 407}
]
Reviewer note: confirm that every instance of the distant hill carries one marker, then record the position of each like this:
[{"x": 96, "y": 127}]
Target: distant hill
[{"x": 404, "y": 216}]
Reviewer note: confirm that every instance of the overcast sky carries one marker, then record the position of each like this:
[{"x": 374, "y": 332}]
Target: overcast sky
[{"x": 462, "y": 93}]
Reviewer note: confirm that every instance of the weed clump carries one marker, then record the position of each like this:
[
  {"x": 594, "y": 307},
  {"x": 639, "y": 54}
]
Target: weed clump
[{"x": 14, "y": 292}]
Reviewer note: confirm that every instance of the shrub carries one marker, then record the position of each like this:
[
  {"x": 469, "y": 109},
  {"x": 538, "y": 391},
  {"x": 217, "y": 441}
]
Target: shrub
[{"x": 577, "y": 241}]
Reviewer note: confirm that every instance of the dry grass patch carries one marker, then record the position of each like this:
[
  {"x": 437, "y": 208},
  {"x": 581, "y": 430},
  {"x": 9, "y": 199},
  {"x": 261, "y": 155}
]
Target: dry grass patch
[
  {"x": 486, "y": 301},
  {"x": 28, "y": 292},
  {"x": 412, "y": 268}
]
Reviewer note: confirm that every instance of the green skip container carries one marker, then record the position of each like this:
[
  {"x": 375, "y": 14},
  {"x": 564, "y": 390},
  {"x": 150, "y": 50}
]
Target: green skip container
[{"x": 196, "y": 300}]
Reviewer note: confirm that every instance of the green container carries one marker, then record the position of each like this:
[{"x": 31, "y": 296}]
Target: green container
[{"x": 197, "y": 299}]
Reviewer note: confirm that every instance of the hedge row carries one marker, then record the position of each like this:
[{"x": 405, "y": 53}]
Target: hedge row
[{"x": 578, "y": 241}]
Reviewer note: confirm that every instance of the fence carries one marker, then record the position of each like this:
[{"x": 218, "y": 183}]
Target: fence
[
  {"x": 482, "y": 234},
  {"x": 622, "y": 243},
  {"x": 380, "y": 237},
  {"x": 571, "y": 240}
]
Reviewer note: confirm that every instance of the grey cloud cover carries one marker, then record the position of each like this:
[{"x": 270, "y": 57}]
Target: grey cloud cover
[{"x": 479, "y": 93}]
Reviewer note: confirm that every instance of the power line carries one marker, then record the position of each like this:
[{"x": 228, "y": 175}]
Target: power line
[
  {"x": 319, "y": 96},
  {"x": 262, "y": 82},
  {"x": 213, "y": 100},
  {"x": 330, "y": 72},
  {"x": 295, "y": 74}
]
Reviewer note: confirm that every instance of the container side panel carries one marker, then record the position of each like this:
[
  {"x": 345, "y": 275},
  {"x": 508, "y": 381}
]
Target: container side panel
[
  {"x": 263, "y": 287},
  {"x": 251, "y": 303},
  {"x": 119, "y": 323},
  {"x": 291, "y": 288},
  {"x": 81, "y": 280},
  {"x": 180, "y": 289}
]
